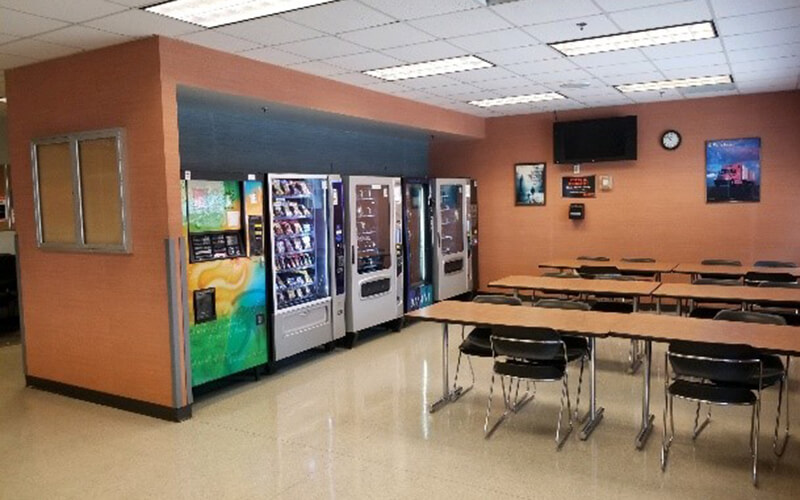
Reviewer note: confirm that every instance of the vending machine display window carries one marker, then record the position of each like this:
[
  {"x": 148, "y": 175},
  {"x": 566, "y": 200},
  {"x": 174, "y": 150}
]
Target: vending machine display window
[
  {"x": 373, "y": 219},
  {"x": 452, "y": 219}
]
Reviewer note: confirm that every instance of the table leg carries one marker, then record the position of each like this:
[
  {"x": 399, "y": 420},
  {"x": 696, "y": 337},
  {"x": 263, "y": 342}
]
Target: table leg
[
  {"x": 658, "y": 305},
  {"x": 679, "y": 307},
  {"x": 647, "y": 417},
  {"x": 448, "y": 395},
  {"x": 636, "y": 355},
  {"x": 595, "y": 413}
]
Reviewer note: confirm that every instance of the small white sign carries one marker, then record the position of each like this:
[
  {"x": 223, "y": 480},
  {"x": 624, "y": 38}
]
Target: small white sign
[{"x": 187, "y": 175}]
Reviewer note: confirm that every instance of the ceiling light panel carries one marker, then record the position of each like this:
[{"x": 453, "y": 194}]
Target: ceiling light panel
[
  {"x": 430, "y": 68},
  {"x": 675, "y": 84},
  {"x": 517, "y": 99},
  {"x": 646, "y": 38},
  {"x": 213, "y": 13}
]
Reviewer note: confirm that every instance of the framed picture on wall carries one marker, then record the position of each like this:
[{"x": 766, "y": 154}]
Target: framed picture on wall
[
  {"x": 733, "y": 170},
  {"x": 529, "y": 184}
]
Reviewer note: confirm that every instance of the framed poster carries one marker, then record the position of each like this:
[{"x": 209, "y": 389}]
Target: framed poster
[
  {"x": 733, "y": 170},
  {"x": 529, "y": 184},
  {"x": 578, "y": 187}
]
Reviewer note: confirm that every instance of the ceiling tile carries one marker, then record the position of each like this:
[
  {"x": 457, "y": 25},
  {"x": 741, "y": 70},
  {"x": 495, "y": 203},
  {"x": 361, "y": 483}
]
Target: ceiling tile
[
  {"x": 428, "y": 51},
  {"x": 770, "y": 74},
  {"x": 623, "y": 69},
  {"x": 481, "y": 75},
  {"x": 21, "y": 24},
  {"x": 141, "y": 23},
  {"x": 521, "y": 55},
  {"x": 354, "y": 78},
  {"x": 72, "y": 12},
  {"x": 322, "y": 48},
  {"x": 317, "y": 68},
  {"x": 710, "y": 92},
  {"x": 609, "y": 58},
  {"x": 385, "y": 87},
  {"x": 428, "y": 82},
  {"x": 8, "y": 61},
  {"x": 615, "y": 5},
  {"x": 219, "y": 41},
  {"x": 691, "y": 62},
  {"x": 273, "y": 56},
  {"x": 727, "y": 8},
  {"x": 493, "y": 40},
  {"x": 569, "y": 30},
  {"x": 655, "y": 96},
  {"x": 603, "y": 101},
  {"x": 714, "y": 70},
  {"x": 468, "y": 22},
  {"x": 455, "y": 90},
  {"x": 649, "y": 76},
  {"x": 338, "y": 17},
  {"x": 134, "y": 3},
  {"x": 414, "y": 9},
  {"x": 363, "y": 62},
  {"x": 774, "y": 52},
  {"x": 767, "y": 85},
  {"x": 560, "y": 77},
  {"x": 7, "y": 38},
  {"x": 763, "y": 39},
  {"x": 663, "y": 15},
  {"x": 765, "y": 21},
  {"x": 37, "y": 49},
  {"x": 270, "y": 31},
  {"x": 596, "y": 88},
  {"x": 505, "y": 83},
  {"x": 685, "y": 49},
  {"x": 789, "y": 63},
  {"x": 527, "y": 12},
  {"x": 387, "y": 36},
  {"x": 528, "y": 68},
  {"x": 83, "y": 37}
]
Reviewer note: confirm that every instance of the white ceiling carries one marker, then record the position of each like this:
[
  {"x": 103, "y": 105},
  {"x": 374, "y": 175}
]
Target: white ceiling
[{"x": 759, "y": 44}]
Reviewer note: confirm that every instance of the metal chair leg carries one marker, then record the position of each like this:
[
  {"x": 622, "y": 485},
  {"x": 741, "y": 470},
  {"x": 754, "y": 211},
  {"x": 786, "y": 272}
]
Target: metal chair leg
[
  {"x": 463, "y": 390},
  {"x": 665, "y": 440},
  {"x": 578, "y": 418},
  {"x": 757, "y": 412},
  {"x": 488, "y": 431},
  {"x": 778, "y": 449},
  {"x": 560, "y": 440},
  {"x": 697, "y": 430}
]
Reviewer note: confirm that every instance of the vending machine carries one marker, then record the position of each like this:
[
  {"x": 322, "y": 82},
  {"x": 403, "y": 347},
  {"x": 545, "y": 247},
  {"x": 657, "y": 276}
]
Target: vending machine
[
  {"x": 307, "y": 251},
  {"x": 417, "y": 240},
  {"x": 226, "y": 278},
  {"x": 453, "y": 273},
  {"x": 472, "y": 220},
  {"x": 374, "y": 251}
]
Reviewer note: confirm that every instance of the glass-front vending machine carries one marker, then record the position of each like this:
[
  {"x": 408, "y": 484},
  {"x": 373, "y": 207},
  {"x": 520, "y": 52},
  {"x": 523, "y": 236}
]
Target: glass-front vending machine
[
  {"x": 451, "y": 208},
  {"x": 303, "y": 252},
  {"x": 374, "y": 252},
  {"x": 418, "y": 236}
]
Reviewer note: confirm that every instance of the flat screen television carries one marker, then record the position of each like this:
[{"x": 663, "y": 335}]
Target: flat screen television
[{"x": 584, "y": 141}]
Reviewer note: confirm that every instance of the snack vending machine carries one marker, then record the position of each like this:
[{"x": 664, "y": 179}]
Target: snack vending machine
[
  {"x": 226, "y": 279},
  {"x": 474, "y": 283},
  {"x": 417, "y": 241},
  {"x": 374, "y": 251},
  {"x": 453, "y": 265},
  {"x": 306, "y": 217}
]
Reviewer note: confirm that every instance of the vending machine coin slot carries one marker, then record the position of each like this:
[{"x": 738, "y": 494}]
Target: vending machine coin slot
[{"x": 205, "y": 305}]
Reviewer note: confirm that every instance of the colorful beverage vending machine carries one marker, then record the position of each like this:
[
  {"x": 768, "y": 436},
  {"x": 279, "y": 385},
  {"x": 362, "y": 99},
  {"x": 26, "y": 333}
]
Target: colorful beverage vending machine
[
  {"x": 474, "y": 283},
  {"x": 307, "y": 248},
  {"x": 374, "y": 252},
  {"x": 417, "y": 241},
  {"x": 223, "y": 226},
  {"x": 451, "y": 211}
]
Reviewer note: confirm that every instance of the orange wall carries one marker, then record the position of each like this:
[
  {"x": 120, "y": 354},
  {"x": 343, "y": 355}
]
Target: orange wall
[
  {"x": 657, "y": 207},
  {"x": 96, "y": 321}
]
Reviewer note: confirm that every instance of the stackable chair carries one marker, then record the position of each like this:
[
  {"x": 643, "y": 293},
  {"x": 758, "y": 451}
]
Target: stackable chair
[
  {"x": 593, "y": 258},
  {"x": 774, "y": 263},
  {"x": 640, "y": 274},
  {"x": 564, "y": 273},
  {"x": 723, "y": 374},
  {"x": 720, "y": 262},
  {"x": 790, "y": 311},
  {"x": 593, "y": 271},
  {"x": 755, "y": 278},
  {"x": 615, "y": 306},
  {"x": 477, "y": 343},
  {"x": 530, "y": 355},
  {"x": 704, "y": 311}
]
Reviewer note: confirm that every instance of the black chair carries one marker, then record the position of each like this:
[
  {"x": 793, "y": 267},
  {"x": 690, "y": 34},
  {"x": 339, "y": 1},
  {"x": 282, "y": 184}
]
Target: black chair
[
  {"x": 533, "y": 355},
  {"x": 754, "y": 278},
  {"x": 591, "y": 272},
  {"x": 790, "y": 311},
  {"x": 477, "y": 343},
  {"x": 774, "y": 263},
  {"x": 596, "y": 259},
  {"x": 720, "y": 262},
  {"x": 640, "y": 274},
  {"x": 706, "y": 312},
  {"x": 564, "y": 273}
]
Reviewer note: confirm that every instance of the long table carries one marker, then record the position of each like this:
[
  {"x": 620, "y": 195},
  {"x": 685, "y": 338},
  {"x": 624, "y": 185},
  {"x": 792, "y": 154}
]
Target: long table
[
  {"x": 647, "y": 327},
  {"x": 740, "y": 271},
  {"x": 739, "y": 294},
  {"x": 632, "y": 289},
  {"x": 646, "y": 267}
]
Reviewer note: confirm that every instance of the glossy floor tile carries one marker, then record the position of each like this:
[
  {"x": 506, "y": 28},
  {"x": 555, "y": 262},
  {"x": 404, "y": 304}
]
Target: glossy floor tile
[{"x": 354, "y": 424}]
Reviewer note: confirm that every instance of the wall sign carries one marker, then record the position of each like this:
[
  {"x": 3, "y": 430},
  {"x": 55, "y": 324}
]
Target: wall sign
[
  {"x": 733, "y": 170},
  {"x": 529, "y": 184},
  {"x": 578, "y": 187}
]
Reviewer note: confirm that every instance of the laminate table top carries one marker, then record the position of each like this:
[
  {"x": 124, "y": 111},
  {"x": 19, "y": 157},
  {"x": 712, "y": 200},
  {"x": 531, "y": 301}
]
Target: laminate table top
[
  {"x": 578, "y": 285},
  {"x": 733, "y": 270},
  {"x": 649, "y": 267},
  {"x": 749, "y": 294}
]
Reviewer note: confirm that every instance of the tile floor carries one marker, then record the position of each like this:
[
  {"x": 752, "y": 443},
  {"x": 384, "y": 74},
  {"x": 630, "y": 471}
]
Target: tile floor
[{"x": 353, "y": 424}]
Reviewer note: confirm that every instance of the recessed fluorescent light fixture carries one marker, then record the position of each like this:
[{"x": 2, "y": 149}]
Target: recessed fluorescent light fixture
[
  {"x": 517, "y": 99},
  {"x": 430, "y": 68},
  {"x": 678, "y": 83},
  {"x": 213, "y": 13},
  {"x": 634, "y": 39}
]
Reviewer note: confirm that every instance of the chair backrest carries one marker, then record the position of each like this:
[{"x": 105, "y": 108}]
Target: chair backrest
[
  {"x": 562, "y": 304},
  {"x": 774, "y": 263},
  {"x": 750, "y": 317},
  {"x": 616, "y": 277},
  {"x": 721, "y": 262},
  {"x": 718, "y": 363},
  {"x": 778, "y": 284},
  {"x": 528, "y": 344},
  {"x": 638, "y": 259},
  {"x": 498, "y": 299},
  {"x": 561, "y": 274},
  {"x": 596, "y": 259},
  {"x": 754, "y": 278},
  {"x": 593, "y": 271},
  {"x": 713, "y": 281}
]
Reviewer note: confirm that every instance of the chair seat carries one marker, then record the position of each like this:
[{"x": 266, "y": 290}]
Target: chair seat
[
  {"x": 577, "y": 347},
  {"x": 721, "y": 394},
  {"x": 614, "y": 307},
  {"x": 772, "y": 372},
  {"x": 477, "y": 343},
  {"x": 537, "y": 371}
]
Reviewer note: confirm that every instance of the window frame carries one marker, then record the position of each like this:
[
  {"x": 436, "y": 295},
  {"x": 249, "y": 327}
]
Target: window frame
[{"x": 73, "y": 140}]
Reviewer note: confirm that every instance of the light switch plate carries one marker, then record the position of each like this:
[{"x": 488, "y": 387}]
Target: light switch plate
[{"x": 606, "y": 183}]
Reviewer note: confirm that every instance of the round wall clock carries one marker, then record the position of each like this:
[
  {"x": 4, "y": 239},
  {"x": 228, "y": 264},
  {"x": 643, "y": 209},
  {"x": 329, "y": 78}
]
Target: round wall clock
[{"x": 670, "y": 140}]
